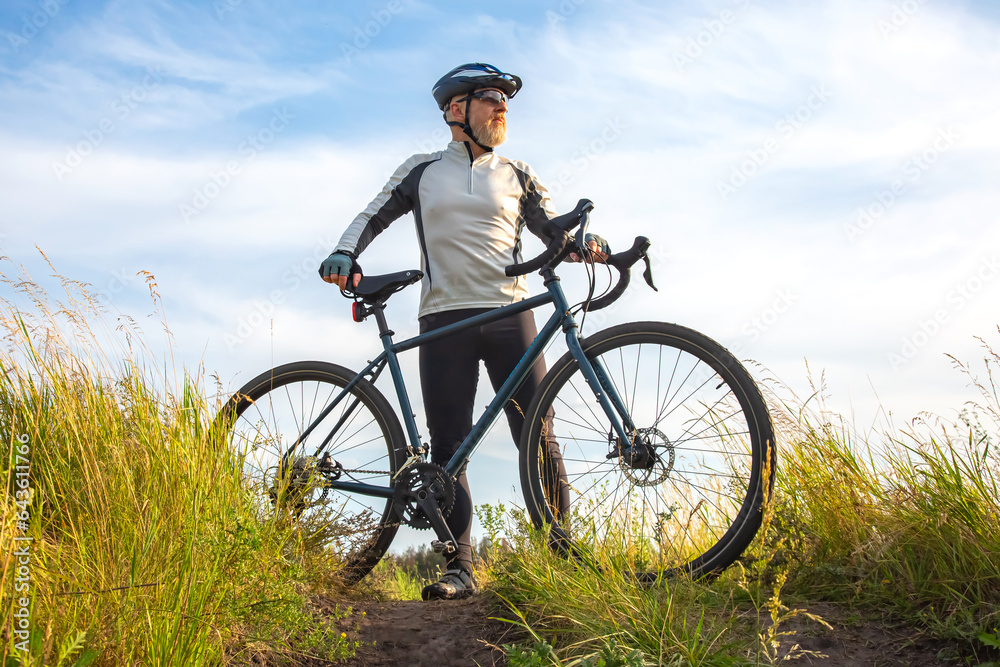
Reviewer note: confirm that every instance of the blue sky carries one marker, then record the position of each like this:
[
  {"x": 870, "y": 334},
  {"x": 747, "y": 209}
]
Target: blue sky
[{"x": 818, "y": 178}]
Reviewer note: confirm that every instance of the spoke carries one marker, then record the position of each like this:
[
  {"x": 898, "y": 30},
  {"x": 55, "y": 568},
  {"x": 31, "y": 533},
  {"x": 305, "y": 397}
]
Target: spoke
[
  {"x": 660, "y": 417},
  {"x": 635, "y": 379},
  {"x": 671, "y": 513},
  {"x": 593, "y": 471},
  {"x": 584, "y": 401},
  {"x": 377, "y": 458},
  {"x": 713, "y": 451},
  {"x": 267, "y": 426},
  {"x": 377, "y": 436},
  {"x": 596, "y": 482},
  {"x": 710, "y": 411},
  {"x": 705, "y": 490},
  {"x": 563, "y": 420}
]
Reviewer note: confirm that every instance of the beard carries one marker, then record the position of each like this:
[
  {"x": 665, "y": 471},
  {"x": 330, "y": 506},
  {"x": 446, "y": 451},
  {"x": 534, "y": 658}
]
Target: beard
[{"x": 491, "y": 131}]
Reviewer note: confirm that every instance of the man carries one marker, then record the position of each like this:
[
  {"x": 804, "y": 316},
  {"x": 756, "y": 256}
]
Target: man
[{"x": 470, "y": 207}]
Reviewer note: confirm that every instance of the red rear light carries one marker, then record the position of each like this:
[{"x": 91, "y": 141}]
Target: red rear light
[{"x": 358, "y": 311}]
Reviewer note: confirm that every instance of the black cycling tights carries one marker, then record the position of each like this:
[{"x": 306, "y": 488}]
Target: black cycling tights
[{"x": 449, "y": 374}]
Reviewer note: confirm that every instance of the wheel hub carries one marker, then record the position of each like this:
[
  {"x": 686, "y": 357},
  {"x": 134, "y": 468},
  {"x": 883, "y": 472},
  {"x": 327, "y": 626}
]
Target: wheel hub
[
  {"x": 650, "y": 458},
  {"x": 292, "y": 483}
]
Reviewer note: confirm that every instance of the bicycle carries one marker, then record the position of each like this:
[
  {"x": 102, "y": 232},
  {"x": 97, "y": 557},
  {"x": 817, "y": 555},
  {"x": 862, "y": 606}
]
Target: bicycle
[{"x": 666, "y": 440}]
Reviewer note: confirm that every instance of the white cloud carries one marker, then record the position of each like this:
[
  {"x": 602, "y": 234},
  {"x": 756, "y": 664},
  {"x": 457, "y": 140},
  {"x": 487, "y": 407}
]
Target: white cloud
[{"x": 680, "y": 131}]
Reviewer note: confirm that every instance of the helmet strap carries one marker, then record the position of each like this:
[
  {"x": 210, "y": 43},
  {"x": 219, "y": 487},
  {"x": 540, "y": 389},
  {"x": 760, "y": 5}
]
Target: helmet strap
[{"x": 468, "y": 128}]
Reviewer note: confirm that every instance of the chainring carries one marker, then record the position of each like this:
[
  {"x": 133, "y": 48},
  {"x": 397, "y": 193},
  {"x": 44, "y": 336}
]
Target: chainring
[{"x": 418, "y": 481}]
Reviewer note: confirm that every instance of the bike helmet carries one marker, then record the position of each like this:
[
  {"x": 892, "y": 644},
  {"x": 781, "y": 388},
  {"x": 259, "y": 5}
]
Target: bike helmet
[{"x": 467, "y": 78}]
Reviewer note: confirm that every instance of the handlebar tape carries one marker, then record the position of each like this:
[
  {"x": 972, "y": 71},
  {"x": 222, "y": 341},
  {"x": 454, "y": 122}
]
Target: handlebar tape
[
  {"x": 557, "y": 228},
  {"x": 556, "y": 246},
  {"x": 623, "y": 261}
]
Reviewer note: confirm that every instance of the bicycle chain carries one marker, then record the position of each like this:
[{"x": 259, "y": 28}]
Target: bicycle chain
[
  {"x": 414, "y": 459},
  {"x": 370, "y": 472},
  {"x": 410, "y": 461}
]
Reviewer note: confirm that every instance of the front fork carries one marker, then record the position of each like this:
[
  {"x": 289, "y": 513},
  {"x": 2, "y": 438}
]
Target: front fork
[{"x": 607, "y": 396}]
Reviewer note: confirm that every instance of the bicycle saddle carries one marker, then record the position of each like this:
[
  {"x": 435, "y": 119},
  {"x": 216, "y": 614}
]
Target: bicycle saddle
[{"x": 379, "y": 288}]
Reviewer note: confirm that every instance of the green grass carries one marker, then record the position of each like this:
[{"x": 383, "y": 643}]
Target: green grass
[
  {"x": 146, "y": 548},
  {"x": 902, "y": 526}
]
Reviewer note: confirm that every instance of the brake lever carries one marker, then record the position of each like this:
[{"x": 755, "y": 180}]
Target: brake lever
[
  {"x": 581, "y": 233},
  {"x": 647, "y": 275}
]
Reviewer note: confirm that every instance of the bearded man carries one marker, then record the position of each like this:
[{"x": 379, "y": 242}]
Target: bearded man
[{"x": 470, "y": 207}]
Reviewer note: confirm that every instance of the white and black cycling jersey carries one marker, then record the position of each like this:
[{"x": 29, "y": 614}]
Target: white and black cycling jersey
[{"x": 469, "y": 214}]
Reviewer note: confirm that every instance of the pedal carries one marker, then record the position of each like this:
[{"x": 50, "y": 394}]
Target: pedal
[{"x": 440, "y": 547}]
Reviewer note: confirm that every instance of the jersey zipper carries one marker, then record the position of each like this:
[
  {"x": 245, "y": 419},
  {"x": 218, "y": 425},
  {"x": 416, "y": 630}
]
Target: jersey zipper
[{"x": 468, "y": 149}]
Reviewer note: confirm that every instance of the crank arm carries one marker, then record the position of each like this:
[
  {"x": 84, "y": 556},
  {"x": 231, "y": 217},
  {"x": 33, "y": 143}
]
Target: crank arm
[{"x": 433, "y": 512}]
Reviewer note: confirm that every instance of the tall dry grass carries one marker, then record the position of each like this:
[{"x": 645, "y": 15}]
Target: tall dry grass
[
  {"x": 903, "y": 525},
  {"x": 144, "y": 547}
]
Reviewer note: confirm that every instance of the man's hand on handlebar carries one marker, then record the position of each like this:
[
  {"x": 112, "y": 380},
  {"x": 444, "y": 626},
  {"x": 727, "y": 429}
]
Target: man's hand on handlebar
[{"x": 599, "y": 250}]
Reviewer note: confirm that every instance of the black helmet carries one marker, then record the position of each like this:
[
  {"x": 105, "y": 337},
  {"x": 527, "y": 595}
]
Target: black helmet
[{"x": 467, "y": 78}]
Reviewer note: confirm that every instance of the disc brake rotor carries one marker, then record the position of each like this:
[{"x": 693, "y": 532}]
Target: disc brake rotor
[{"x": 663, "y": 457}]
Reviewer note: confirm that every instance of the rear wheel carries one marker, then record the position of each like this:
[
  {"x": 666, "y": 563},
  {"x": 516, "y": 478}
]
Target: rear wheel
[
  {"x": 685, "y": 495},
  {"x": 359, "y": 440}
]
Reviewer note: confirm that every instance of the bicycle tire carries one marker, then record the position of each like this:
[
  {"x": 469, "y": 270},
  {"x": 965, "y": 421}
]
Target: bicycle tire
[
  {"x": 692, "y": 508},
  {"x": 267, "y": 415}
]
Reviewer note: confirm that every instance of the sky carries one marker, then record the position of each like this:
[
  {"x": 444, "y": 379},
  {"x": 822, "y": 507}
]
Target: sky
[{"x": 818, "y": 178}]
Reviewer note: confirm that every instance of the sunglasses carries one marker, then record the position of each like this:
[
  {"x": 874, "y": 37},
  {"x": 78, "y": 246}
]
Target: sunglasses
[{"x": 494, "y": 97}]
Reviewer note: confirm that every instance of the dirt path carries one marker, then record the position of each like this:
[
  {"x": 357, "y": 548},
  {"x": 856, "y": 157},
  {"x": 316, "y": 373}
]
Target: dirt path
[
  {"x": 456, "y": 633},
  {"x": 462, "y": 634},
  {"x": 862, "y": 642}
]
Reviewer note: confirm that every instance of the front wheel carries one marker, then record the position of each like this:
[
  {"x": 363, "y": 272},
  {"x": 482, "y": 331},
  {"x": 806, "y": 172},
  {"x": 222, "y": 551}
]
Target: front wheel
[
  {"x": 359, "y": 440},
  {"x": 685, "y": 495}
]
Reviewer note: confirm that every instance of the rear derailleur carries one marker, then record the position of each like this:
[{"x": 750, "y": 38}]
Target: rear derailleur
[{"x": 299, "y": 476}]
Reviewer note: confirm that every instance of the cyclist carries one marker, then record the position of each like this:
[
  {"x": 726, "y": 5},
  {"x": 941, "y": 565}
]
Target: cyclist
[{"x": 470, "y": 207}]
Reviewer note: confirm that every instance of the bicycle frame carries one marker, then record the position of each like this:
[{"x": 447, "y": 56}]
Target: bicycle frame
[{"x": 594, "y": 373}]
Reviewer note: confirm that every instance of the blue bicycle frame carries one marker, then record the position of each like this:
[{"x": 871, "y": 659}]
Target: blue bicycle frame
[{"x": 592, "y": 370}]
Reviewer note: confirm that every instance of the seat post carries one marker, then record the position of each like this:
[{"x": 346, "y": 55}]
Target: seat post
[{"x": 378, "y": 310}]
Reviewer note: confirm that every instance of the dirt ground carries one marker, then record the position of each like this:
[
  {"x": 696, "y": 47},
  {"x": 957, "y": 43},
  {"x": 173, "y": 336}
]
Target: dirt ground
[
  {"x": 462, "y": 634},
  {"x": 454, "y": 633},
  {"x": 861, "y": 642}
]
